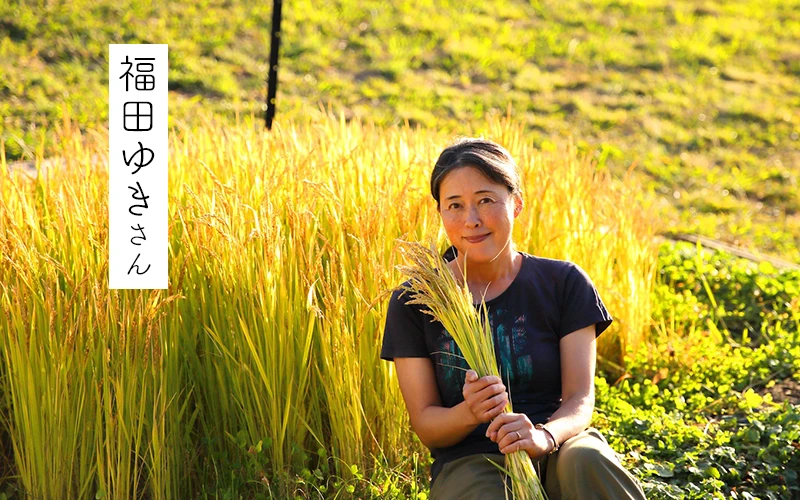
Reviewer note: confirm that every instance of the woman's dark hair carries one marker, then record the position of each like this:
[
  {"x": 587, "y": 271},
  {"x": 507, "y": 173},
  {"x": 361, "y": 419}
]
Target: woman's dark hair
[{"x": 490, "y": 158}]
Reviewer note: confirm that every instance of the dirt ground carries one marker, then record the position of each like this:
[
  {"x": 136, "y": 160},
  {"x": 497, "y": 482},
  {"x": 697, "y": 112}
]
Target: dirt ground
[{"x": 784, "y": 390}]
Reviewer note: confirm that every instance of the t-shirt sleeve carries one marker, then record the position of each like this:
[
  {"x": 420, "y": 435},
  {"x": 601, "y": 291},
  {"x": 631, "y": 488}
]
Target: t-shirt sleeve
[
  {"x": 581, "y": 305},
  {"x": 403, "y": 334}
]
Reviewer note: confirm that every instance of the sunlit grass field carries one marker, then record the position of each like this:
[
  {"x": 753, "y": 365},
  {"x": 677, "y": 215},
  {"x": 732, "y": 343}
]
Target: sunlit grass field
[
  {"x": 265, "y": 348},
  {"x": 257, "y": 373},
  {"x": 701, "y": 95}
]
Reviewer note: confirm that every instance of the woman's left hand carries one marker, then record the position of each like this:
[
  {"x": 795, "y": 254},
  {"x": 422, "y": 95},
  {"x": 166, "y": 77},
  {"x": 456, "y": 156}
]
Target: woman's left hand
[{"x": 514, "y": 432}]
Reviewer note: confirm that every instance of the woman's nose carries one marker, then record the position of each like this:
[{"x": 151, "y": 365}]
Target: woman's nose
[{"x": 472, "y": 217}]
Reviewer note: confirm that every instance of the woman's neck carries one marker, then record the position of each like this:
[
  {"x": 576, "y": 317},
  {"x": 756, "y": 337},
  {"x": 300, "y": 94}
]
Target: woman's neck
[{"x": 503, "y": 268}]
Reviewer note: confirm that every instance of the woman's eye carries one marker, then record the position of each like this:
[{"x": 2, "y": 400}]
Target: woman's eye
[
  {"x": 454, "y": 206},
  {"x": 486, "y": 200}
]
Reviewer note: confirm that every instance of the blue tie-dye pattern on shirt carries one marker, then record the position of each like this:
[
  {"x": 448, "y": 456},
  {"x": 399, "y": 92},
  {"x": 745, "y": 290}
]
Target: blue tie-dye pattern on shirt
[
  {"x": 511, "y": 351},
  {"x": 451, "y": 365},
  {"x": 512, "y": 345}
]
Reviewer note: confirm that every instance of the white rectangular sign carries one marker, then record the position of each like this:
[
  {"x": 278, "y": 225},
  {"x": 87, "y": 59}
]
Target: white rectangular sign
[{"x": 137, "y": 162}]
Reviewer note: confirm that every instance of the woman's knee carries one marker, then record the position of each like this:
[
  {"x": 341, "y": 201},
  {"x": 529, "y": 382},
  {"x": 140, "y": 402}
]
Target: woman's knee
[
  {"x": 584, "y": 454},
  {"x": 578, "y": 460},
  {"x": 587, "y": 467},
  {"x": 470, "y": 478}
]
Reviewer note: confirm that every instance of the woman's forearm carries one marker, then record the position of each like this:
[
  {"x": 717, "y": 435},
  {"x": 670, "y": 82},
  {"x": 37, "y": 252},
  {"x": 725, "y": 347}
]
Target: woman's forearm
[
  {"x": 439, "y": 427},
  {"x": 571, "y": 418}
]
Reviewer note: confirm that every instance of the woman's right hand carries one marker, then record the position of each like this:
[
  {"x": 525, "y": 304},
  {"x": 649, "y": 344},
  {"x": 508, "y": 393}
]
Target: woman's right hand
[{"x": 486, "y": 397}]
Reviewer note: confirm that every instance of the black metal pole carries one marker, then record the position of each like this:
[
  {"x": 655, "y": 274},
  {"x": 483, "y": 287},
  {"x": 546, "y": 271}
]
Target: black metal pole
[{"x": 274, "y": 45}]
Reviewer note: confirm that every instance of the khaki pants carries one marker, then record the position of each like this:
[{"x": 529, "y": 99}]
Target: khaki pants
[{"x": 584, "y": 468}]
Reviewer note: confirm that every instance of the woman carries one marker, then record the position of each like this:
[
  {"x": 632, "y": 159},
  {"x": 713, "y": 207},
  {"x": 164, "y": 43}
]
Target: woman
[{"x": 545, "y": 315}]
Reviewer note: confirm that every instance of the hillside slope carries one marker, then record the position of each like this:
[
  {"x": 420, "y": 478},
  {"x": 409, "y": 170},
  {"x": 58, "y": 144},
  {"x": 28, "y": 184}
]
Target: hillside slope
[{"x": 701, "y": 96}]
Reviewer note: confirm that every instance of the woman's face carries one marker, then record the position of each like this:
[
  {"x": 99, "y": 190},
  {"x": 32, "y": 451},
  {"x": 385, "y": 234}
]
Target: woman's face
[{"x": 477, "y": 213}]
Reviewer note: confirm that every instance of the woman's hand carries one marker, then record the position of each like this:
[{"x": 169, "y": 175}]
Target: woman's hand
[
  {"x": 514, "y": 432},
  {"x": 486, "y": 397}
]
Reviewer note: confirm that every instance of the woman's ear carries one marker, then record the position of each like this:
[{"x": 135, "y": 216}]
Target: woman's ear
[{"x": 517, "y": 205}]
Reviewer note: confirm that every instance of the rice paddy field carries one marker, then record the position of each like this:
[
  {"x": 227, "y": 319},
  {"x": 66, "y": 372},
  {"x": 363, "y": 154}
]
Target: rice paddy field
[{"x": 256, "y": 374}]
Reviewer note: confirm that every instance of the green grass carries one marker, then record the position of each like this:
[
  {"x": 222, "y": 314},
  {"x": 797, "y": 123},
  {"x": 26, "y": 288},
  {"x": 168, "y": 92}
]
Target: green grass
[
  {"x": 695, "y": 417},
  {"x": 701, "y": 96}
]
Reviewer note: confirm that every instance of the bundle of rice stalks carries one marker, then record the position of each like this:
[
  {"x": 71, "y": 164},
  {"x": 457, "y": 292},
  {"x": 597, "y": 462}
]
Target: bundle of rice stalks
[{"x": 433, "y": 286}]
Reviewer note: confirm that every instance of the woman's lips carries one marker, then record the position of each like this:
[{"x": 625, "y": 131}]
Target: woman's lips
[{"x": 476, "y": 239}]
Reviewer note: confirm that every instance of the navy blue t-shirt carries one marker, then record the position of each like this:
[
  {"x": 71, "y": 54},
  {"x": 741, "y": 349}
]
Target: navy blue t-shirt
[{"x": 547, "y": 300}]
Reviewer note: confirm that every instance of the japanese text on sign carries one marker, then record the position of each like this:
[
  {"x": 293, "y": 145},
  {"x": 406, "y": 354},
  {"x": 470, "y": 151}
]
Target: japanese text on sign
[{"x": 138, "y": 152}]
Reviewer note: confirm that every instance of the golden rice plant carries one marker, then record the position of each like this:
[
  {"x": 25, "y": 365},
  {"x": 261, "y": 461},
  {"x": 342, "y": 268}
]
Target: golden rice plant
[
  {"x": 289, "y": 308},
  {"x": 95, "y": 403},
  {"x": 281, "y": 250},
  {"x": 433, "y": 286}
]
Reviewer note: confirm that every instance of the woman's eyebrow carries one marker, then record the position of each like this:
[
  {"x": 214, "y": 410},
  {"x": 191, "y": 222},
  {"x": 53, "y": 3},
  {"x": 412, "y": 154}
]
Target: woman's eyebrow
[{"x": 482, "y": 191}]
